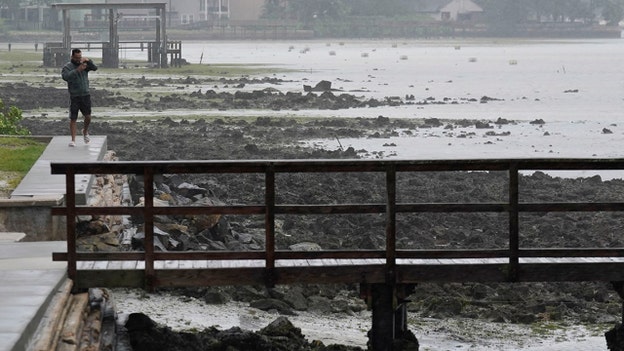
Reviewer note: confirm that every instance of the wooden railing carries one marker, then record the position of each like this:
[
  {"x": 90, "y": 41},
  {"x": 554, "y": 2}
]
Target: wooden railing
[{"x": 389, "y": 270}]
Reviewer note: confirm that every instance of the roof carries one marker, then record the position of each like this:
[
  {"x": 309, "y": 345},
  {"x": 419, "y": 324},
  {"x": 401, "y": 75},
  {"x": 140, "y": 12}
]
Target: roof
[
  {"x": 462, "y": 6},
  {"x": 435, "y": 6},
  {"x": 136, "y": 5}
]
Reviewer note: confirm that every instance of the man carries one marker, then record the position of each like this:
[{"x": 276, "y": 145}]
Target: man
[{"x": 76, "y": 74}]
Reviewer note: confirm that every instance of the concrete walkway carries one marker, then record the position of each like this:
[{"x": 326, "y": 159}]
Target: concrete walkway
[
  {"x": 39, "y": 181},
  {"x": 29, "y": 281}
]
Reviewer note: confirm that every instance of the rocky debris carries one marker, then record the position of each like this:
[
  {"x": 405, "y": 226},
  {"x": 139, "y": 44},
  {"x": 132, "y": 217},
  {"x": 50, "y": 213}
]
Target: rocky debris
[
  {"x": 103, "y": 233},
  {"x": 186, "y": 93},
  {"x": 280, "y": 335},
  {"x": 189, "y": 232}
]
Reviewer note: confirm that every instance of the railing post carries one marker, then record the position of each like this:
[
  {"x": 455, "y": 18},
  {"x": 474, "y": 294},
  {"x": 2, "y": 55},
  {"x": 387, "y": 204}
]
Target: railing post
[
  {"x": 70, "y": 207},
  {"x": 514, "y": 231},
  {"x": 391, "y": 224},
  {"x": 269, "y": 224},
  {"x": 148, "y": 227}
]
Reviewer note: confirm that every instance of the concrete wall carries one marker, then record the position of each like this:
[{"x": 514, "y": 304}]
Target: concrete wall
[{"x": 33, "y": 217}]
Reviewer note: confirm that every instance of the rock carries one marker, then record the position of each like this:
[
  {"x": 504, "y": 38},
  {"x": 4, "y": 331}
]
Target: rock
[
  {"x": 273, "y": 304},
  {"x": 482, "y": 125},
  {"x": 323, "y": 85},
  {"x": 319, "y": 304},
  {"x": 282, "y": 327},
  {"x": 248, "y": 293},
  {"x": 237, "y": 339},
  {"x": 305, "y": 247},
  {"x": 501, "y": 121},
  {"x": 189, "y": 190},
  {"x": 98, "y": 243},
  {"x": 295, "y": 298},
  {"x": 139, "y": 321},
  {"x": 216, "y": 298},
  {"x": 91, "y": 226},
  {"x": 432, "y": 122}
]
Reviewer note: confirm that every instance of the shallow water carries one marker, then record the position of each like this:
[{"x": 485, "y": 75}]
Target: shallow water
[
  {"x": 575, "y": 86},
  {"x": 562, "y": 80}
]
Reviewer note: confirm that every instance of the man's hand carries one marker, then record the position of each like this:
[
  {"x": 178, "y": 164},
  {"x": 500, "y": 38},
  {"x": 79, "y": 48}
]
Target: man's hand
[{"x": 83, "y": 64}]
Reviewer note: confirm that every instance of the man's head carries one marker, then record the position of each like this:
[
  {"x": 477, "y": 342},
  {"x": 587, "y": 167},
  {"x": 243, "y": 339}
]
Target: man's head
[{"x": 76, "y": 56}]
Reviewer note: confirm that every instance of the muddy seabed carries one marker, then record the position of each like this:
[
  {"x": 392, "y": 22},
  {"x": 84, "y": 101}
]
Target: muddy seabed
[{"x": 558, "y": 316}]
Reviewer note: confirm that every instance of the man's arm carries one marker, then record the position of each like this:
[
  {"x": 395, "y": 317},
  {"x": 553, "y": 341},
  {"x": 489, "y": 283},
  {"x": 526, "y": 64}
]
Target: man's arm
[
  {"x": 90, "y": 65},
  {"x": 68, "y": 73}
]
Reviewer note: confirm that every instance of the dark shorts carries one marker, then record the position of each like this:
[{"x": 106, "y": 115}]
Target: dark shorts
[{"x": 79, "y": 103}]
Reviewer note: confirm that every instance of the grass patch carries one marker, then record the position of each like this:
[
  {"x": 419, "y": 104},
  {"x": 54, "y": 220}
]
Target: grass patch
[
  {"x": 31, "y": 62},
  {"x": 210, "y": 70},
  {"x": 17, "y": 156}
]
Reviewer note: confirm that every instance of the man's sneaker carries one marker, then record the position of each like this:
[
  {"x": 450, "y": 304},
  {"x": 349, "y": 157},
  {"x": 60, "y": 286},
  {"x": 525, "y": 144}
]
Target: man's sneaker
[
  {"x": 72, "y": 144},
  {"x": 86, "y": 138}
]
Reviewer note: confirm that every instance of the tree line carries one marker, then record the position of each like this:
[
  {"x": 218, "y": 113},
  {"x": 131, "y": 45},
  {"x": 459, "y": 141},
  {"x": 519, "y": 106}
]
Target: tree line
[{"x": 496, "y": 12}]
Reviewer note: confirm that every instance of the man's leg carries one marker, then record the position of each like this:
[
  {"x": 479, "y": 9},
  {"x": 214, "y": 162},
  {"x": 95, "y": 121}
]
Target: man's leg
[
  {"x": 86, "y": 112},
  {"x": 73, "y": 116},
  {"x": 72, "y": 131},
  {"x": 85, "y": 129}
]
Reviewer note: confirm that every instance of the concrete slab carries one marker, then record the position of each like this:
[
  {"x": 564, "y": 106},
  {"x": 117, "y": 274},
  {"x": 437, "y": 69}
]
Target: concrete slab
[
  {"x": 11, "y": 237},
  {"x": 40, "y": 182},
  {"x": 29, "y": 281}
]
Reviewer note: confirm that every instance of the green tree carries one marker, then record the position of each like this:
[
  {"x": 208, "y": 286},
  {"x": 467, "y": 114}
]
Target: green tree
[
  {"x": 9, "y": 121},
  {"x": 612, "y": 11},
  {"x": 274, "y": 9},
  {"x": 504, "y": 16},
  {"x": 386, "y": 8},
  {"x": 311, "y": 10},
  {"x": 12, "y": 7}
]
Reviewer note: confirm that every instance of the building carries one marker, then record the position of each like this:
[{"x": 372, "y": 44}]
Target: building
[
  {"x": 449, "y": 10},
  {"x": 191, "y": 11}
]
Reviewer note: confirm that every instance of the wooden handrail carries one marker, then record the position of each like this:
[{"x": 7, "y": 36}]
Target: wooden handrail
[{"x": 513, "y": 207}]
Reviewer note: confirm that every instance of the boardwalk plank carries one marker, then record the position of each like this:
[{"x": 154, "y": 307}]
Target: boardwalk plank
[
  {"x": 172, "y": 264},
  {"x": 114, "y": 265},
  {"x": 185, "y": 264},
  {"x": 200, "y": 264},
  {"x": 355, "y": 270},
  {"x": 85, "y": 264},
  {"x": 100, "y": 265},
  {"x": 129, "y": 265}
]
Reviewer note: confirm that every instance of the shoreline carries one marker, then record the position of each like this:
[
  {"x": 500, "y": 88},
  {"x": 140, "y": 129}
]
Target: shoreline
[{"x": 350, "y": 329}]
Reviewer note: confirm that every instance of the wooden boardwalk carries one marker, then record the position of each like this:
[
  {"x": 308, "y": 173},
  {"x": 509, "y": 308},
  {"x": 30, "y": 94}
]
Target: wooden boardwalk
[
  {"x": 181, "y": 273},
  {"x": 386, "y": 276}
]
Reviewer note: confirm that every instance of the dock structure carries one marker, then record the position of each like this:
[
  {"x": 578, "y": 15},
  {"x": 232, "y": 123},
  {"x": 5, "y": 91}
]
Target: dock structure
[
  {"x": 386, "y": 276},
  {"x": 56, "y": 54}
]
